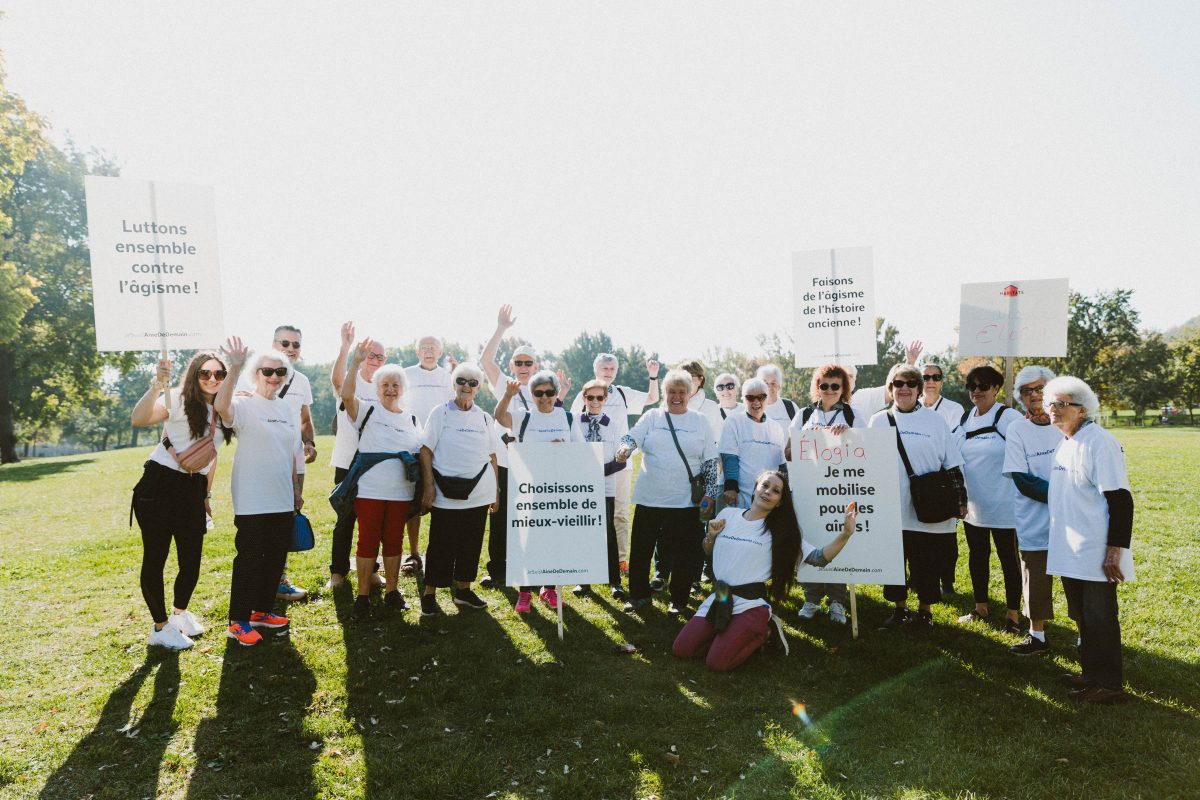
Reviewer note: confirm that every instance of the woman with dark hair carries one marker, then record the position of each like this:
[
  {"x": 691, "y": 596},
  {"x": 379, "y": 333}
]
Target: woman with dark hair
[
  {"x": 749, "y": 547},
  {"x": 171, "y": 499}
]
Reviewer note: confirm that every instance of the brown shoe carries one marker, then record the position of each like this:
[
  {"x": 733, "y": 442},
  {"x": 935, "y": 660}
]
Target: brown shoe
[
  {"x": 1072, "y": 681},
  {"x": 1103, "y": 696}
]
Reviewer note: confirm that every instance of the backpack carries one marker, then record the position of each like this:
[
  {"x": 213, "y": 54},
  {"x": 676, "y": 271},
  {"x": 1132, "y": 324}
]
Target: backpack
[
  {"x": 1000, "y": 409},
  {"x": 790, "y": 407},
  {"x": 525, "y": 424},
  {"x": 847, "y": 412}
]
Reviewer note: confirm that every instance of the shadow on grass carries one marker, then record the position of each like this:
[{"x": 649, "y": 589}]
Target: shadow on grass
[
  {"x": 36, "y": 470},
  {"x": 122, "y": 756}
]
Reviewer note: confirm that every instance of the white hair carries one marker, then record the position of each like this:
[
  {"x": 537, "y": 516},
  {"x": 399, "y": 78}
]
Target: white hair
[
  {"x": 389, "y": 371},
  {"x": 769, "y": 370},
  {"x": 1028, "y": 375},
  {"x": 467, "y": 370},
  {"x": 267, "y": 354},
  {"x": 544, "y": 376},
  {"x": 1077, "y": 390},
  {"x": 677, "y": 376},
  {"x": 755, "y": 385},
  {"x": 604, "y": 358},
  {"x": 726, "y": 377}
]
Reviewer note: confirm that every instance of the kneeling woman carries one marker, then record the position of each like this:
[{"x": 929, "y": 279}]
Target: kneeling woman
[{"x": 748, "y": 548}]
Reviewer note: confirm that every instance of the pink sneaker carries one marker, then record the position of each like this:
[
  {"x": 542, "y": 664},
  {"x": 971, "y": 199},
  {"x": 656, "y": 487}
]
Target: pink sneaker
[
  {"x": 523, "y": 601},
  {"x": 549, "y": 596}
]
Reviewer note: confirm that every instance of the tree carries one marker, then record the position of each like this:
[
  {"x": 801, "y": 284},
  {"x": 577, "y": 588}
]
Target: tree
[
  {"x": 1141, "y": 374},
  {"x": 889, "y": 351},
  {"x": 1100, "y": 328},
  {"x": 1185, "y": 364},
  {"x": 576, "y": 361}
]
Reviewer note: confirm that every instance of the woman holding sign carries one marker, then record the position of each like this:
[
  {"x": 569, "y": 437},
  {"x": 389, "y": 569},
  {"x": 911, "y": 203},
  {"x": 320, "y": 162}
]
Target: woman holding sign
[
  {"x": 679, "y": 472},
  {"x": 171, "y": 499},
  {"x": 750, "y": 547}
]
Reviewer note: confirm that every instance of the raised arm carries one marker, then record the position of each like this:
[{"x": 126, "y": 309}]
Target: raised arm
[
  {"x": 338, "y": 374},
  {"x": 652, "y": 368},
  {"x": 502, "y": 414},
  {"x": 350, "y": 382},
  {"x": 148, "y": 411},
  {"x": 236, "y": 353},
  {"x": 487, "y": 359}
]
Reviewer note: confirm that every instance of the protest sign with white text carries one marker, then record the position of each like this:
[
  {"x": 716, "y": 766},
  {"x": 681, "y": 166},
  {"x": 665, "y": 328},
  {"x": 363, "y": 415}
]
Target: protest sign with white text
[
  {"x": 1019, "y": 318},
  {"x": 834, "y": 306}
]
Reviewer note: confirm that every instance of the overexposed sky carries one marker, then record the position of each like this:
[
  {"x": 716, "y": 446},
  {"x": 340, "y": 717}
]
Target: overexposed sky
[{"x": 645, "y": 168}]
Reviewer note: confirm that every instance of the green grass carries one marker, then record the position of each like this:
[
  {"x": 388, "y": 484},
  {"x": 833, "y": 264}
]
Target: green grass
[{"x": 479, "y": 703}]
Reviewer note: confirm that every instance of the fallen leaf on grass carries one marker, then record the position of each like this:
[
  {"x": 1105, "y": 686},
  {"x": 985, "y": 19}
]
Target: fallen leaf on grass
[{"x": 673, "y": 759}]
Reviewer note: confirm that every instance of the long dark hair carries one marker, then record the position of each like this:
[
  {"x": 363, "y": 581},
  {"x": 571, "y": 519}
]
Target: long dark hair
[
  {"x": 784, "y": 528},
  {"x": 194, "y": 404}
]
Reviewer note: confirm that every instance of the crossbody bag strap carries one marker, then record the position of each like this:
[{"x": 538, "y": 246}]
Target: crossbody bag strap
[
  {"x": 675, "y": 439},
  {"x": 900, "y": 445},
  {"x": 212, "y": 429},
  {"x": 524, "y": 425},
  {"x": 283, "y": 392},
  {"x": 370, "y": 410}
]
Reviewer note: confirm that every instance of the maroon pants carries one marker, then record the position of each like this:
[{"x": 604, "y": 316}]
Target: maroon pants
[{"x": 723, "y": 651}]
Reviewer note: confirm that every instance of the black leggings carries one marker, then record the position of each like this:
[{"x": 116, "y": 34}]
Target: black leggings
[
  {"x": 980, "y": 562},
  {"x": 455, "y": 541},
  {"x": 677, "y": 532},
  {"x": 169, "y": 504}
]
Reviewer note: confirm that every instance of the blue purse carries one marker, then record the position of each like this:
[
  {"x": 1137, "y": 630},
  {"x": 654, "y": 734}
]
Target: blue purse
[{"x": 302, "y": 534}]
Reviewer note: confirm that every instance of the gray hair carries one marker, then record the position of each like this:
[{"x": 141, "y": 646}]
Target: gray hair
[
  {"x": 1028, "y": 375},
  {"x": 770, "y": 370},
  {"x": 467, "y": 370},
  {"x": 726, "y": 377},
  {"x": 1077, "y": 390},
  {"x": 390, "y": 371},
  {"x": 544, "y": 376},
  {"x": 756, "y": 385},
  {"x": 257, "y": 358},
  {"x": 677, "y": 376},
  {"x": 604, "y": 358}
]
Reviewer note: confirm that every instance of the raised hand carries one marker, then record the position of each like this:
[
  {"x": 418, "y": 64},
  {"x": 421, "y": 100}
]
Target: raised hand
[
  {"x": 162, "y": 372},
  {"x": 452, "y": 361},
  {"x": 511, "y": 388},
  {"x": 564, "y": 383},
  {"x": 505, "y": 318},
  {"x": 360, "y": 352},
  {"x": 347, "y": 334},
  {"x": 715, "y": 527},
  {"x": 235, "y": 351},
  {"x": 851, "y": 518},
  {"x": 652, "y": 367},
  {"x": 913, "y": 350}
]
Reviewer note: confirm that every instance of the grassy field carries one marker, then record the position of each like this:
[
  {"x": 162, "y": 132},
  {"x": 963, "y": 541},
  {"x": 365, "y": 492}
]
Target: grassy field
[{"x": 483, "y": 704}]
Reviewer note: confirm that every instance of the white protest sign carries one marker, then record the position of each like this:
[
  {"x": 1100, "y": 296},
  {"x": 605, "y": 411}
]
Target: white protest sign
[
  {"x": 827, "y": 473},
  {"x": 557, "y": 532},
  {"x": 1017, "y": 318},
  {"x": 155, "y": 278},
  {"x": 834, "y": 306}
]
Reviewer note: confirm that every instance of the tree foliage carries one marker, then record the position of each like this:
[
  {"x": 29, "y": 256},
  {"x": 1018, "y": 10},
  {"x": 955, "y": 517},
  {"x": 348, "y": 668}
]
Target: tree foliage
[{"x": 576, "y": 361}]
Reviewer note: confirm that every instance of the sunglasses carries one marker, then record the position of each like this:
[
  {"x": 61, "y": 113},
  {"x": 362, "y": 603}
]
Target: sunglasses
[
  {"x": 899, "y": 384},
  {"x": 522, "y": 363},
  {"x": 831, "y": 387},
  {"x": 723, "y": 387},
  {"x": 278, "y": 372},
  {"x": 755, "y": 398},
  {"x": 594, "y": 398},
  {"x": 1059, "y": 405},
  {"x": 467, "y": 382},
  {"x": 543, "y": 393},
  {"x": 286, "y": 343},
  {"x": 980, "y": 387},
  {"x": 205, "y": 374},
  {"x": 1030, "y": 390},
  {"x": 934, "y": 378}
]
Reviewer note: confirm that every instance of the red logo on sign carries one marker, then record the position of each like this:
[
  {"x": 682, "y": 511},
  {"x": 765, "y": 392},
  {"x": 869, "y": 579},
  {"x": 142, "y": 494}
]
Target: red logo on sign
[{"x": 1011, "y": 291}]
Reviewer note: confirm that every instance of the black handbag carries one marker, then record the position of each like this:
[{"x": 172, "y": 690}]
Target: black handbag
[
  {"x": 455, "y": 488},
  {"x": 934, "y": 495},
  {"x": 695, "y": 481}
]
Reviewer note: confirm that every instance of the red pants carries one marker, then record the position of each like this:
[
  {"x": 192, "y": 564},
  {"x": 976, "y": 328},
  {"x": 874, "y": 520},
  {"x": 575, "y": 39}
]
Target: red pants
[
  {"x": 380, "y": 520},
  {"x": 746, "y": 633}
]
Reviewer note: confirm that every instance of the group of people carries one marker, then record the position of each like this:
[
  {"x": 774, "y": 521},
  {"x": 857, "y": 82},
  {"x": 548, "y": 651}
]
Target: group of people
[{"x": 1046, "y": 487}]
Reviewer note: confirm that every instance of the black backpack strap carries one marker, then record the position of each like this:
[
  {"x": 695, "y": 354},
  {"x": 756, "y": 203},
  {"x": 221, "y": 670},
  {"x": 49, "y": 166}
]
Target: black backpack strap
[
  {"x": 848, "y": 413},
  {"x": 370, "y": 410},
  {"x": 524, "y": 425},
  {"x": 989, "y": 428},
  {"x": 283, "y": 392},
  {"x": 900, "y": 445},
  {"x": 570, "y": 419},
  {"x": 621, "y": 392},
  {"x": 806, "y": 414},
  {"x": 790, "y": 407}
]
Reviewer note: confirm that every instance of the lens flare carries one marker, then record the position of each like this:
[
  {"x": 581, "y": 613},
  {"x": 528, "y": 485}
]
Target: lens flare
[{"x": 801, "y": 713}]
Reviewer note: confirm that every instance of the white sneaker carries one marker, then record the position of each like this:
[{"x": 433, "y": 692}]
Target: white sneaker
[
  {"x": 186, "y": 622},
  {"x": 335, "y": 581},
  {"x": 169, "y": 637},
  {"x": 837, "y": 613},
  {"x": 809, "y": 610}
]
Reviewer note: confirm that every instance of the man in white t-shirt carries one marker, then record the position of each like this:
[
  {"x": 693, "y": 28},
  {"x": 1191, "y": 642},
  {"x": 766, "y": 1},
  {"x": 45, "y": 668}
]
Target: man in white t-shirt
[
  {"x": 429, "y": 386},
  {"x": 297, "y": 392},
  {"x": 623, "y": 402},
  {"x": 345, "y": 444}
]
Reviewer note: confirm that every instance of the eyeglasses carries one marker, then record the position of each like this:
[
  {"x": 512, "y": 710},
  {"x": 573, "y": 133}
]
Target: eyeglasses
[
  {"x": 543, "y": 393},
  {"x": 594, "y": 398},
  {"x": 831, "y": 387},
  {"x": 724, "y": 387},
  {"x": 899, "y": 384},
  {"x": 1059, "y": 405},
  {"x": 286, "y": 343},
  {"x": 278, "y": 372},
  {"x": 1028, "y": 390},
  {"x": 980, "y": 387},
  {"x": 934, "y": 378},
  {"x": 217, "y": 374},
  {"x": 376, "y": 357},
  {"x": 467, "y": 382},
  {"x": 522, "y": 363},
  {"x": 755, "y": 398}
]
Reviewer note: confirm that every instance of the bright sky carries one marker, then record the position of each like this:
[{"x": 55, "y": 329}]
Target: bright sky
[{"x": 645, "y": 168}]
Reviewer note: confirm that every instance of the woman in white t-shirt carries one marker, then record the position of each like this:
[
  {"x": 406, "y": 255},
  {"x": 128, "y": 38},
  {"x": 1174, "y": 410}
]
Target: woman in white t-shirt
[
  {"x": 385, "y": 494},
  {"x": 993, "y": 497},
  {"x": 171, "y": 501},
  {"x": 726, "y": 389},
  {"x": 266, "y": 488},
  {"x": 748, "y": 548},
  {"x": 458, "y": 467},
  {"x": 676, "y": 443},
  {"x": 750, "y": 443},
  {"x": 697, "y": 401}
]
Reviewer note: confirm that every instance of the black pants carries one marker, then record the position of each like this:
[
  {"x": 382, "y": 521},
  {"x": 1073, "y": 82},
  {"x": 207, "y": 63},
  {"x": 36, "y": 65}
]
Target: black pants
[
  {"x": 1093, "y": 606},
  {"x": 614, "y": 564},
  {"x": 169, "y": 504},
  {"x": 262, "y": 543},
  {"x": 455, "y": 541},
  {"x": 980, "y": 562},
  {"x": 924, "y": 554},
  {"x": 677, "y": 532},
  {"x": 498, "y": 532},
  {"x": 950, "y": 562}
]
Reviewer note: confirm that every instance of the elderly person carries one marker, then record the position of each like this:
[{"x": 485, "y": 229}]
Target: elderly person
[
  {"x": 926, "y": 444},
  {"x": 544, "y": 422},
  {"x": 830, "y": 393},
  {"x": 458, "y": 467},
  {"x": 1028, "y": 460},
  {"x": 868, "y": 400},
  {"x": 622, "y": 402},
  {"x": 751, "y": 443},
  {"x": 748, "y": 548},
  {"x": 726, "y": 389},
  {"x": 679, "y": 471},
  {"x": 931, "y": 395},
  {"x": 981, "y": 434},
  {"x": 1091, "y": 525},
  {"x": 266, "y": 490},
  {"x": 298, "y": 393},
  {"x": 697, "y": 401},
  {"x": 779, "y": 408},
  {"x": 597, "y": 426},
  {"x": 386, "y": 433},
  {"x": 171, "y": 499}
]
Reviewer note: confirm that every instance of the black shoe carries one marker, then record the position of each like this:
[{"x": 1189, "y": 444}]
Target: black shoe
[
  {"x": 948, "y": 589},
  {"x": 486, "y": 582},
  {"x": 1012, "y": 626},
  {"x": 429, "y": 605},
  {"x": 362, "y": 607},
  {"x": 582, "y": 591},
  {"x": 618, "y": 593},
  {"x": 394, "y": 601},
  {"x": 657, "y": 585},
  {"x": 1029, "y": 646},
  {"x": 897, "y": 620},
  {"x": 466, "y": 597},
  {"x": 920, "y": 621}
]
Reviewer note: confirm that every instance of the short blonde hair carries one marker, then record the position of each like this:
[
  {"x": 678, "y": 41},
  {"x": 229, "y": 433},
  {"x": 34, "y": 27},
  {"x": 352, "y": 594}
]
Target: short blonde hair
[{"x": 900, "y": 370}]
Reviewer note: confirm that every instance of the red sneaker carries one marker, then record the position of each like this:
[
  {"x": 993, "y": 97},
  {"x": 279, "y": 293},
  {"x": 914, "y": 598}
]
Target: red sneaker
[
  {"x": 244, "y": 634},
  {"x": 265, "y": 619}
]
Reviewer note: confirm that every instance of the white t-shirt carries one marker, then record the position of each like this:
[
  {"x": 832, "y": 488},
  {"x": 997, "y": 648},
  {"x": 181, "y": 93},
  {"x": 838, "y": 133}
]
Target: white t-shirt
[
  {"x": 663, "y": 480},
  {"x": 820, "y": 418},
  {"x": 742, "y": 554},
  {"x": 611, "y": 441},
  {"x": 1085, "y": 466},
  {"x": 345, "y": 443},
  {"x": 176, "y": 429},
  {"x": 462, "y": 443},
  {"x": 427, "y": 389},
  {"x": 869, "y": 401},
  {"x": 991, "y": 497},
  {"x": 711, "y": 411},
  {"x": 299, "y": 392},
  {"x": 778, "y": 412},
  {"x": 758, "y": 446},
  {"x": 1030, "y": 449},
  {"x": 617, "y": 407},
  {"x": 947, "y": 409},
  {"x": 930, "y": 447},
  {"x": 387, "y": 432},
  {"x": 268, "y": 434},
  {"x": 523, "y": 400},
  {"x": 550, "y": 427}
]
